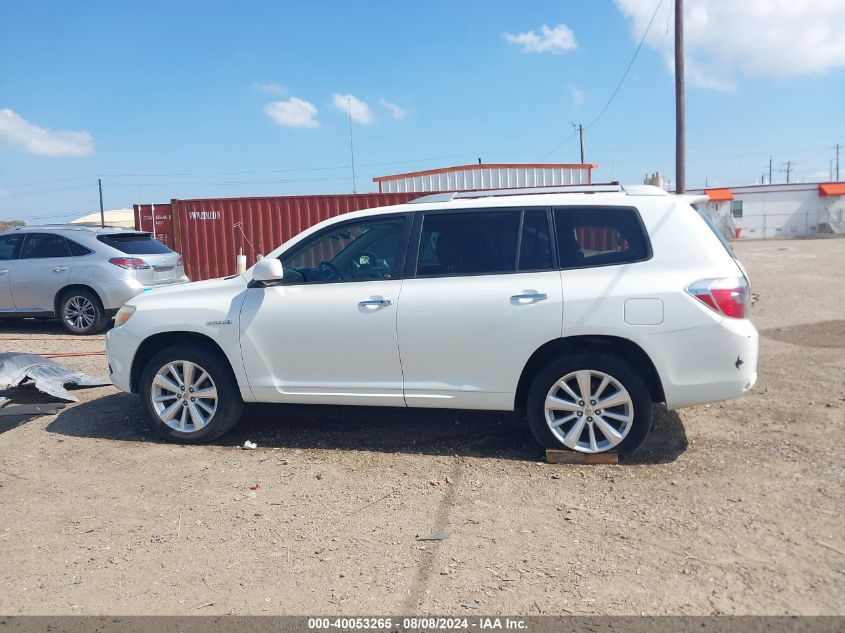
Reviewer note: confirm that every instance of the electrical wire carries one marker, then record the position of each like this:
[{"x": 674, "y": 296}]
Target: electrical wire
[{"x": 628, "y": 68}]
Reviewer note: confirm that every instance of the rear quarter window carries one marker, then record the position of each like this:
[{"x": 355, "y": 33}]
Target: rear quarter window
[
  {"x": 600, "y": 236},
  {"x": 134, "y": 243}
]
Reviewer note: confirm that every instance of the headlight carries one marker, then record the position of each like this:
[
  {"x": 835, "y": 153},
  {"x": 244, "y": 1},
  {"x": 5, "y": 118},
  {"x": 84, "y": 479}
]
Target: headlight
[{"x": 123, "y": 315}]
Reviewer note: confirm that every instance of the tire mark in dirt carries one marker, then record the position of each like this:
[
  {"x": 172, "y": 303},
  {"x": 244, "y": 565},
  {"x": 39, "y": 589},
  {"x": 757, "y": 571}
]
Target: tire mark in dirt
[{"x": 424, "y": 570}]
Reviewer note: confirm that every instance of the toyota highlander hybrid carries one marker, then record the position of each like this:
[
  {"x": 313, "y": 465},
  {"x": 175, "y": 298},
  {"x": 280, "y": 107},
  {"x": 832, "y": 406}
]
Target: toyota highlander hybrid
[{"x": 577, "y": 310}]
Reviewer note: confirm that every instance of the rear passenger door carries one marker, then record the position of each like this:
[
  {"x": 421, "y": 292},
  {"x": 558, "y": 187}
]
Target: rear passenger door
[
  {"x": 481, "y": 293},
  {"x": 40, "y": 272}
]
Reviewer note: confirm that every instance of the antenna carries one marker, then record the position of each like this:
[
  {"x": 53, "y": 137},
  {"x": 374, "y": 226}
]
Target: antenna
[{"x": 351, "y": 146}]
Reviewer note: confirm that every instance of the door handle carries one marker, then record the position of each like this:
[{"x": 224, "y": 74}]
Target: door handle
[
  {"x": 529, "y": 296},
  {"x": 375, "y": 302},
  {"x": 60, "y": 269}
]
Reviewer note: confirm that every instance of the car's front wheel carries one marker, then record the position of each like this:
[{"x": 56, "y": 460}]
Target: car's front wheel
[
  {"x": 190, "y": 394},
  {"x": 591, "y": 403}
]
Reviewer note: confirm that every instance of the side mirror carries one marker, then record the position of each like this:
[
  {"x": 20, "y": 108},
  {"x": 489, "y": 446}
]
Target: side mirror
[{"x": 268, "y": 270}]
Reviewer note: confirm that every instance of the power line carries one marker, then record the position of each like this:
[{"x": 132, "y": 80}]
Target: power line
[
  {"x": 630, "y": 64},
  {"x": 618, "y": 86}
]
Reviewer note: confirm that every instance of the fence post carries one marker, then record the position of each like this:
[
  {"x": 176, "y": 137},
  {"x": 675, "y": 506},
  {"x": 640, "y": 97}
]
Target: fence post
[
  {"x": 764, "y": 225},
  {"x": 806, "y": 222}
]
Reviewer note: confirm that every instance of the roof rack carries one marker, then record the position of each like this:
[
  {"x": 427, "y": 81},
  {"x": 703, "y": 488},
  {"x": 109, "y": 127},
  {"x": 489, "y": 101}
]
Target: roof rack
[{"x": 448, "y": 196}]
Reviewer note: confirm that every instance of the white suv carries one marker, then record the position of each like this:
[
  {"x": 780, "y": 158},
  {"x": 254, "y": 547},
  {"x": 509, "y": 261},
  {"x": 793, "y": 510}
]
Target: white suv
[{"x": 577, "y": 309}]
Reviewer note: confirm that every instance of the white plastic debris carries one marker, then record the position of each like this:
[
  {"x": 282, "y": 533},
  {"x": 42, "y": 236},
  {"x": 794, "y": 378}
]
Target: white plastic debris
[{"x": 249, "y": 446}]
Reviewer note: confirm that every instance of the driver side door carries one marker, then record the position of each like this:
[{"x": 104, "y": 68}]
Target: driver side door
[{"x": 327, "y": 332}]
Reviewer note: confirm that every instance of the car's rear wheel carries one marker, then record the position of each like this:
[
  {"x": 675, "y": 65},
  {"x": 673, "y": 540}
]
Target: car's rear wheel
[
  {"x": 591, "y": 403},
  {"x": 82, "y": 313},
  {"x": 190, "y": 395}
]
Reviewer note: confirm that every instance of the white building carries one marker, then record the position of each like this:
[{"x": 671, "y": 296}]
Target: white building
[{"x": 780, "y": 210}]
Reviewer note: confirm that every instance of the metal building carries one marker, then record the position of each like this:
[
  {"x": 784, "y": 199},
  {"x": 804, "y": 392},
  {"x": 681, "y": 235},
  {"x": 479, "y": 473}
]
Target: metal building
[
  {"x": 779, "y": 210},
  {"x": 487, "y": 176}
]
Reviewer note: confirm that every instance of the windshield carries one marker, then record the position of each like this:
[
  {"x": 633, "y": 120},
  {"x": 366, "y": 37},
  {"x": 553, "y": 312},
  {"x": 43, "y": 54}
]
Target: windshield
[{"x": 134, "y": 243}]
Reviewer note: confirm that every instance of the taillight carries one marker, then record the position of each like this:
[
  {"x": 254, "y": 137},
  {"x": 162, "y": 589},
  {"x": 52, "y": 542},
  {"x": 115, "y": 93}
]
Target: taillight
[
  {"x": 130, "y": 263},
  {"x": 179, "y": 260},
  {"x": 729, "y": 297}
]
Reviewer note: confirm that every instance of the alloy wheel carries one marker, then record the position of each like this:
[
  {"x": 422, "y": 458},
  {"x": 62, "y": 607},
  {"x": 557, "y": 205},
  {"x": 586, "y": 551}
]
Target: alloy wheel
[
  {"x": 589, "y": 411},
  {"x": 184, "y": 396},
  {"x": 80, "y": 313}
]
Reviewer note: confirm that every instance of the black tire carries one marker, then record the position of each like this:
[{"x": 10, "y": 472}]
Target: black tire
[
  {"x": 618, "y": 369},
  {"x": 91, "y": 320},
  {"x": 229, "y": 403}
]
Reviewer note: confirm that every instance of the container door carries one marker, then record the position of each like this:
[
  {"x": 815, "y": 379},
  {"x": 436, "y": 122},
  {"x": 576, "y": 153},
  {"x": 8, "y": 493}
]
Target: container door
[
  {"x": 327, "y": 332},
  {"x": 40, "y": 273},
  {"x": 480, "y": 302}
]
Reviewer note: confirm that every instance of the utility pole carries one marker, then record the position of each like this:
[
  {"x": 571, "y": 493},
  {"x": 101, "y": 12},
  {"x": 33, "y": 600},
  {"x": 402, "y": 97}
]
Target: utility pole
[
  {"x": 102, "y": 213},
  {"x": 770, "y": 169},
  {"x": 680, "y": 138},
  {"x": 837, "y": 162},
  {"x": 788, "y": 169},
  {"x": 580, "y": 129},
  {"x": 351, "y": 147}
]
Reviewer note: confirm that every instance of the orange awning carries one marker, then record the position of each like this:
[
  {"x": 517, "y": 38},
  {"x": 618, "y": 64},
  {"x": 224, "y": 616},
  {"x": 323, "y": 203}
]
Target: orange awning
[
  {"x": 719, "y": 195},
  {"x": 832, "y": 189}
]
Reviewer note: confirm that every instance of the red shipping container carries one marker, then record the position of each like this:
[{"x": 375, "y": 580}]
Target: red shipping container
[
  {"x": 156, "y": 219},
  {"x": 210, "y": 233}
]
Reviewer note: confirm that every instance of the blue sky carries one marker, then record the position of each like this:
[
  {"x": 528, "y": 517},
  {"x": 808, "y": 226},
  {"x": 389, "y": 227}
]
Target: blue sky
[{"x": 171, "y": 99}]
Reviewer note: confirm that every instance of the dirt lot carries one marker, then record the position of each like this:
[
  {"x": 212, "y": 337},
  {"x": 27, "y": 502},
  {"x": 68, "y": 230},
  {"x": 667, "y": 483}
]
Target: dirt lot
[{"x": 732, "y": 508}]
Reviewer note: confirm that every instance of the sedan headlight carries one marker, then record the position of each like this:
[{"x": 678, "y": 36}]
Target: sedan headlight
[{"x": 123, "y": 315}]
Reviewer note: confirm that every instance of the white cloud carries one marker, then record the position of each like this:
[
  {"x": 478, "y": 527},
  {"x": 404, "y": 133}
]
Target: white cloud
[
  {"x": 271, "y": 88},
  {"x": 18, "y": 132},
  {"x": 577, "y": 95},
  {"x": 293, "y": 112},
  {"x": 726, "y": 38},
  {"x": 395, "y": 110},
  {"x": 555, "y": 40},
  {"x": 359, "y": 110}
]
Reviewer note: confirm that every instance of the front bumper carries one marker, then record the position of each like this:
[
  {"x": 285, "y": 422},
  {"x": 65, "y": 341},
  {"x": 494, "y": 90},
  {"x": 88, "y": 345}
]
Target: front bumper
[{"x": 121, "y": 347}]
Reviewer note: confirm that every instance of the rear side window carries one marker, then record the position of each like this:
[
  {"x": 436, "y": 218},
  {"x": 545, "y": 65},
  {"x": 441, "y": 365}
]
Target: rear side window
[
  {"x": 43, "y": 246},
  {"x": 599, "y": 236},
  {"x": 9, "y": 246},
  {"x": 77, "y": 250},
  {"x": 134, "y": 243},
  {"x": 470, "y": 243}
]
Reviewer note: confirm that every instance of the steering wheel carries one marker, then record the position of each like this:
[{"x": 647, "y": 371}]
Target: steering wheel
[
  {"x": 329, "y": 271},
  {"x": 366, "y": 260}
]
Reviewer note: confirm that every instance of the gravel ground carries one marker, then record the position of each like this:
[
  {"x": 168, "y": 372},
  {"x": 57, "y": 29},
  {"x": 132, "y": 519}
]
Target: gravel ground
[{"x": 731, "y": 508}]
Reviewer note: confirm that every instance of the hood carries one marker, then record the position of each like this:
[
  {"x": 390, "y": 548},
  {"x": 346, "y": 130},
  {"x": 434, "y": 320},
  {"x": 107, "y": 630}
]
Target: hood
[{"x": 222, "y": 285}]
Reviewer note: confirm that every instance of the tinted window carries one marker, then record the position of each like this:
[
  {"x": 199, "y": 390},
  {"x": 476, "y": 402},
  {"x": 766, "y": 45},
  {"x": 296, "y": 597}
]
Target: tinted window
[
  {"x": 9, "y": 245},
  {"x": 134, "y": 243},
  {"x": 535, "y": 247},
  {"x": 44, "y": 245},
  {"x": 736, "y": 208},
  {"x": 468, "y": 243},
  {"x": 77, "y": 250},
  {"x": 351, "y": 252},
  {"x": 599, "y": 236}
]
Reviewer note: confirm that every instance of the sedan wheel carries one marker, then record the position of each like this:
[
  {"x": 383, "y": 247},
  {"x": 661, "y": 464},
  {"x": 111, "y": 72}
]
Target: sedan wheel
[
  {"x": 589, "y": 411},
  {"x": 184, "y": 396}
]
